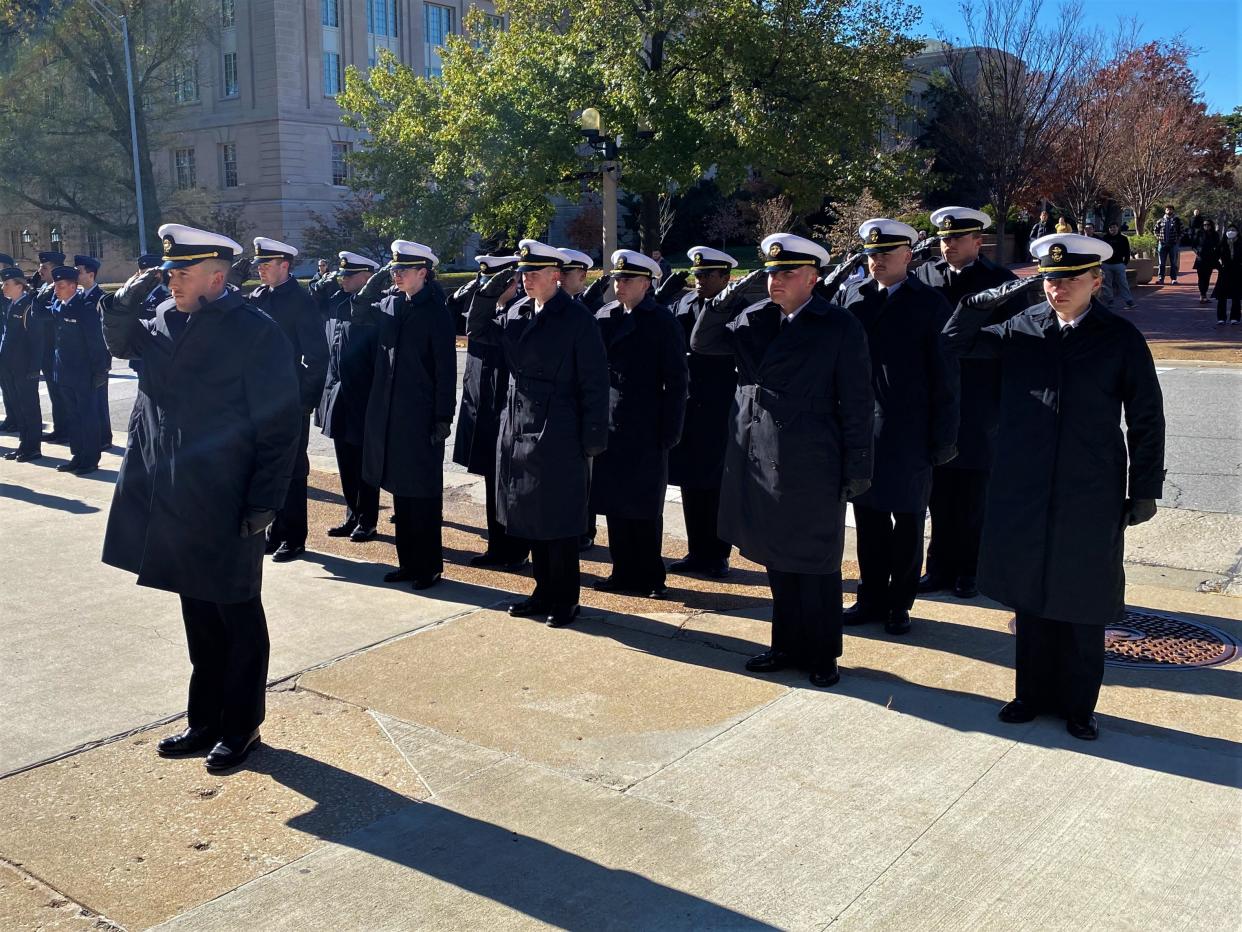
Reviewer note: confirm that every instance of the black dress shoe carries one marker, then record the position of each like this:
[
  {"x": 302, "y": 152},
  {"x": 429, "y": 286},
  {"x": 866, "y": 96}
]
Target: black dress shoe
[
  {"x": 398, "y": 575},
  {"x": 930, "y": 583},
  {"x": 965, "y": 587},
  {"x": 361, "y": 535},
  {"x": 426, "y": 582},
  {"x": 67, "y": 467},
  {"x": 586, "y": 542},
  {"x": 768, "y": 662},
  {"x": 270, "y": 545},
  {"x": 231, "y": 751},
  {"x": 1016, "y": 712},
  {"x": 612, "y": 584},
  {"x": 1085, "y": 729},
  {"x": 342, "y": 530},
  {"x": 392, "y": 519},
  {"x": 287, "y": 551},
  {"x": 898, "y": 621},
  {"x": 657, "y": 592},
  {"x": 517, "y": 563},
  {"x": 187, "y": 742},
  {"x": 11, "y": 455},
  {"x": 8, "y": 427},
  {"x": 529, "y": 608},
  {"x": 487, "y": 559},
  {"x": 54, "y": 437},
  {"x": 561, "y": 617},
  {"x": 858, "y": 614},
  {"x": 86, "y": 470},
  {"x": 685, "y": 565},
  {"x": 829, "y": 676},
  {"x": 718, "y": 570},
  {"x": 27, "y": 457}
]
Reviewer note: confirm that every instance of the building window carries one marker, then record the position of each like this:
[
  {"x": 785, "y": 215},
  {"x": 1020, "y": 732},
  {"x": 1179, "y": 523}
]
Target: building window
[
  {"x": 332, "y": 77},
  {"x": 187, "y": 177},
  {"x": 495, "y": 22},
  {"x": 330, "y": 13},
  {"x": 340, "y": 162},
  {"x": 94, "y": 244},
  {"x": 228, "y": 164},
  {"x": 437, "y": 26},
  {"x": 228, "y": 13},
  {"x": 185, "y": 82},
  {"x": 230, "y": 74},
  {"x": 382, "y": 17}
]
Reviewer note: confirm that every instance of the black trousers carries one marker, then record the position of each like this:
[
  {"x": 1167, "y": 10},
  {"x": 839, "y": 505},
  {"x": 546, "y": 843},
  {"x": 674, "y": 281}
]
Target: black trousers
[
  {"x": 806, "y": 617},
  {"x": 500, "y": 543},
  {"x": 228, "y": 651},
  {"x": 890, "y": 552},
  {"x": 1059, "y": 665},
  {"x": 557, "y": 580},
  {"x": 957, "y": 502},
  {"x": 361, "y": 498},
  {"x": 290, "y": 524},
  {"x": 104, "y": 415},
  {"x": 82, "y": 419},
  {"x": 60, "y": 412},
  {"x": 1205, "y": 279},
  {"x": 700, "y": 508},
  {"x": 1234, "y": 314},
  {"x": 634, "y": 544},
  {"x": 419, "y": 531},
  {"x": 21, "y": 406}
]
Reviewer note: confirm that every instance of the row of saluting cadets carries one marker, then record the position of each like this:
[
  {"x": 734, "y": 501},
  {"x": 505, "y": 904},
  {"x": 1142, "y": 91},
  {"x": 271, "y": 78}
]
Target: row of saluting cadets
[{"x": 772, "y": 401}]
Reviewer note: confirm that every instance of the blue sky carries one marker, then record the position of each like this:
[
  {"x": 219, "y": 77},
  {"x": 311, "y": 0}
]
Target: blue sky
[{"x": 1212, "y": 26}]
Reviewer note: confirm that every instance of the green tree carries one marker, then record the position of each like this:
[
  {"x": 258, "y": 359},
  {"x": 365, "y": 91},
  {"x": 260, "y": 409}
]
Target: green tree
[
  {"x": 65, "y": 141},
  {"x": 795, "y": 92}
]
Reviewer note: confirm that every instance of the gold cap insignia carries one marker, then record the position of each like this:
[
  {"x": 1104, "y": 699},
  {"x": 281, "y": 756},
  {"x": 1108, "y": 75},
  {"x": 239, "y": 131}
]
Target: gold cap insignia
[
  {"x": 874, "y": 236},
  {"x": 621, "y": 262},
  {"x": 1057, "y": 252},
  {"x": 168, "y": 245},
  {"x": 525, "y": 250},
  {"x": 774, "y": 249},
  {"x": 698, "y": 258},
  {"x": 946, "y": 223}
]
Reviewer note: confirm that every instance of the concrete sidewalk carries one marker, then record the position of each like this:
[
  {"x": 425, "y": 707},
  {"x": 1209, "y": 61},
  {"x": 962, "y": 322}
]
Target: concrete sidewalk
[{"x": 433, "y": 763}]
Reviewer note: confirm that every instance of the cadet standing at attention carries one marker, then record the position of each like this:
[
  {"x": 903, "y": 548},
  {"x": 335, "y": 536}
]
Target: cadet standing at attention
[
  {"x": 212, "y": 444},
  {"x": 21, "y": 350},
  {"x": 799, "y": 448},
  {"x": 646, "y": 408},
  {"x": 554, "y": 422},
  {"x": 282, "y": 297},
  {"x": 916, "y": 415},
  {"x": 1066, "y": 483},
  {"x": 88, "y": 270}
]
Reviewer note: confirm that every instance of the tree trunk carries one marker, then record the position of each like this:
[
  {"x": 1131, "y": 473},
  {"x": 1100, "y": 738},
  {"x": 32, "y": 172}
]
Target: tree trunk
[
  {"x": 649, "y": 222},
  {"x": 1002, "y": 213}
]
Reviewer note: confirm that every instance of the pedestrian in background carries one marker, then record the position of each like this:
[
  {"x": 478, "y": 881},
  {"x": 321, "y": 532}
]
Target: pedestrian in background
[
  {"x": 1115, "y": 280},
  {"x": 1207, "y": 245},
  {"x": 1041, "y": 227},
  {"x": 1168, "y": 243},
  {"x": 1229, "y": 277}
]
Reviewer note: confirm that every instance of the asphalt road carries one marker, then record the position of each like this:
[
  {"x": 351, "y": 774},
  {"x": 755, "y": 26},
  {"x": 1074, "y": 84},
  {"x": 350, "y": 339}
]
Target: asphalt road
[{"x": 1203, "y": 408}]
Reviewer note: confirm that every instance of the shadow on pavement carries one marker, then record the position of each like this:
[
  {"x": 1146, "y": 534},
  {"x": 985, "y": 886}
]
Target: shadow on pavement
[
  {"x": 22, "y": 494},
  {"x": 535, "y": 878}
]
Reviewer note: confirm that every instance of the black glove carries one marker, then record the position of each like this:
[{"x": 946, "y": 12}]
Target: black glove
[
  {"x": 1139, "y": 510},
  {"x": 942, "y": 455},
  {"x": 239, "y": 271},
  {"x": 440, "y": 432},
  {"x": 256, "y": 521},
  {"x": 994, "y": 297},
  {"x": 594, "y": 451},
  {"x": 923, "y": 249},
  {"x": 498, "y": 284},
  {"x": 599, "y": 286},
  {"x": 831, "y": 283},
  {"x": 671, "y": 287},
  {"x": 852, "y": 488},
  {"x": 376, "y": 285},
  {"x": 130, "y": 297}
]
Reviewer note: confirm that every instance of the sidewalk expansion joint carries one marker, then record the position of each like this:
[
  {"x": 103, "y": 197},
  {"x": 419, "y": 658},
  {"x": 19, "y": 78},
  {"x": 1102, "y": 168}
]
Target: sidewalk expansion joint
[
  {"x": 917, "y": 838},
  {"x": 58, "y": 900}
]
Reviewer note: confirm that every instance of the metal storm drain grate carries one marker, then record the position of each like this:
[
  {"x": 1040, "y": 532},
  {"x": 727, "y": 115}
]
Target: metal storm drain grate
[{"x": 1146, "y": 640}]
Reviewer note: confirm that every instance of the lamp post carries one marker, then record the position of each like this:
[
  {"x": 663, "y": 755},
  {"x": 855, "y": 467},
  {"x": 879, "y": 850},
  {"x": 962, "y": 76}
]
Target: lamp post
[
  {"x": 121, "y": 25},
  {"x": 591, "y": 126}
]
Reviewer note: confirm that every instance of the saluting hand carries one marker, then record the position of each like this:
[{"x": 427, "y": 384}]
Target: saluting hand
[
  {"x": 498, "y": 284},
  {"x": 376, "y": 285},
  {"x": 131, "y": 296},
  {"x": 992, "y": 297},
  {"x": 440, "y": 432},
  {"x": 239, "y": 271}
]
